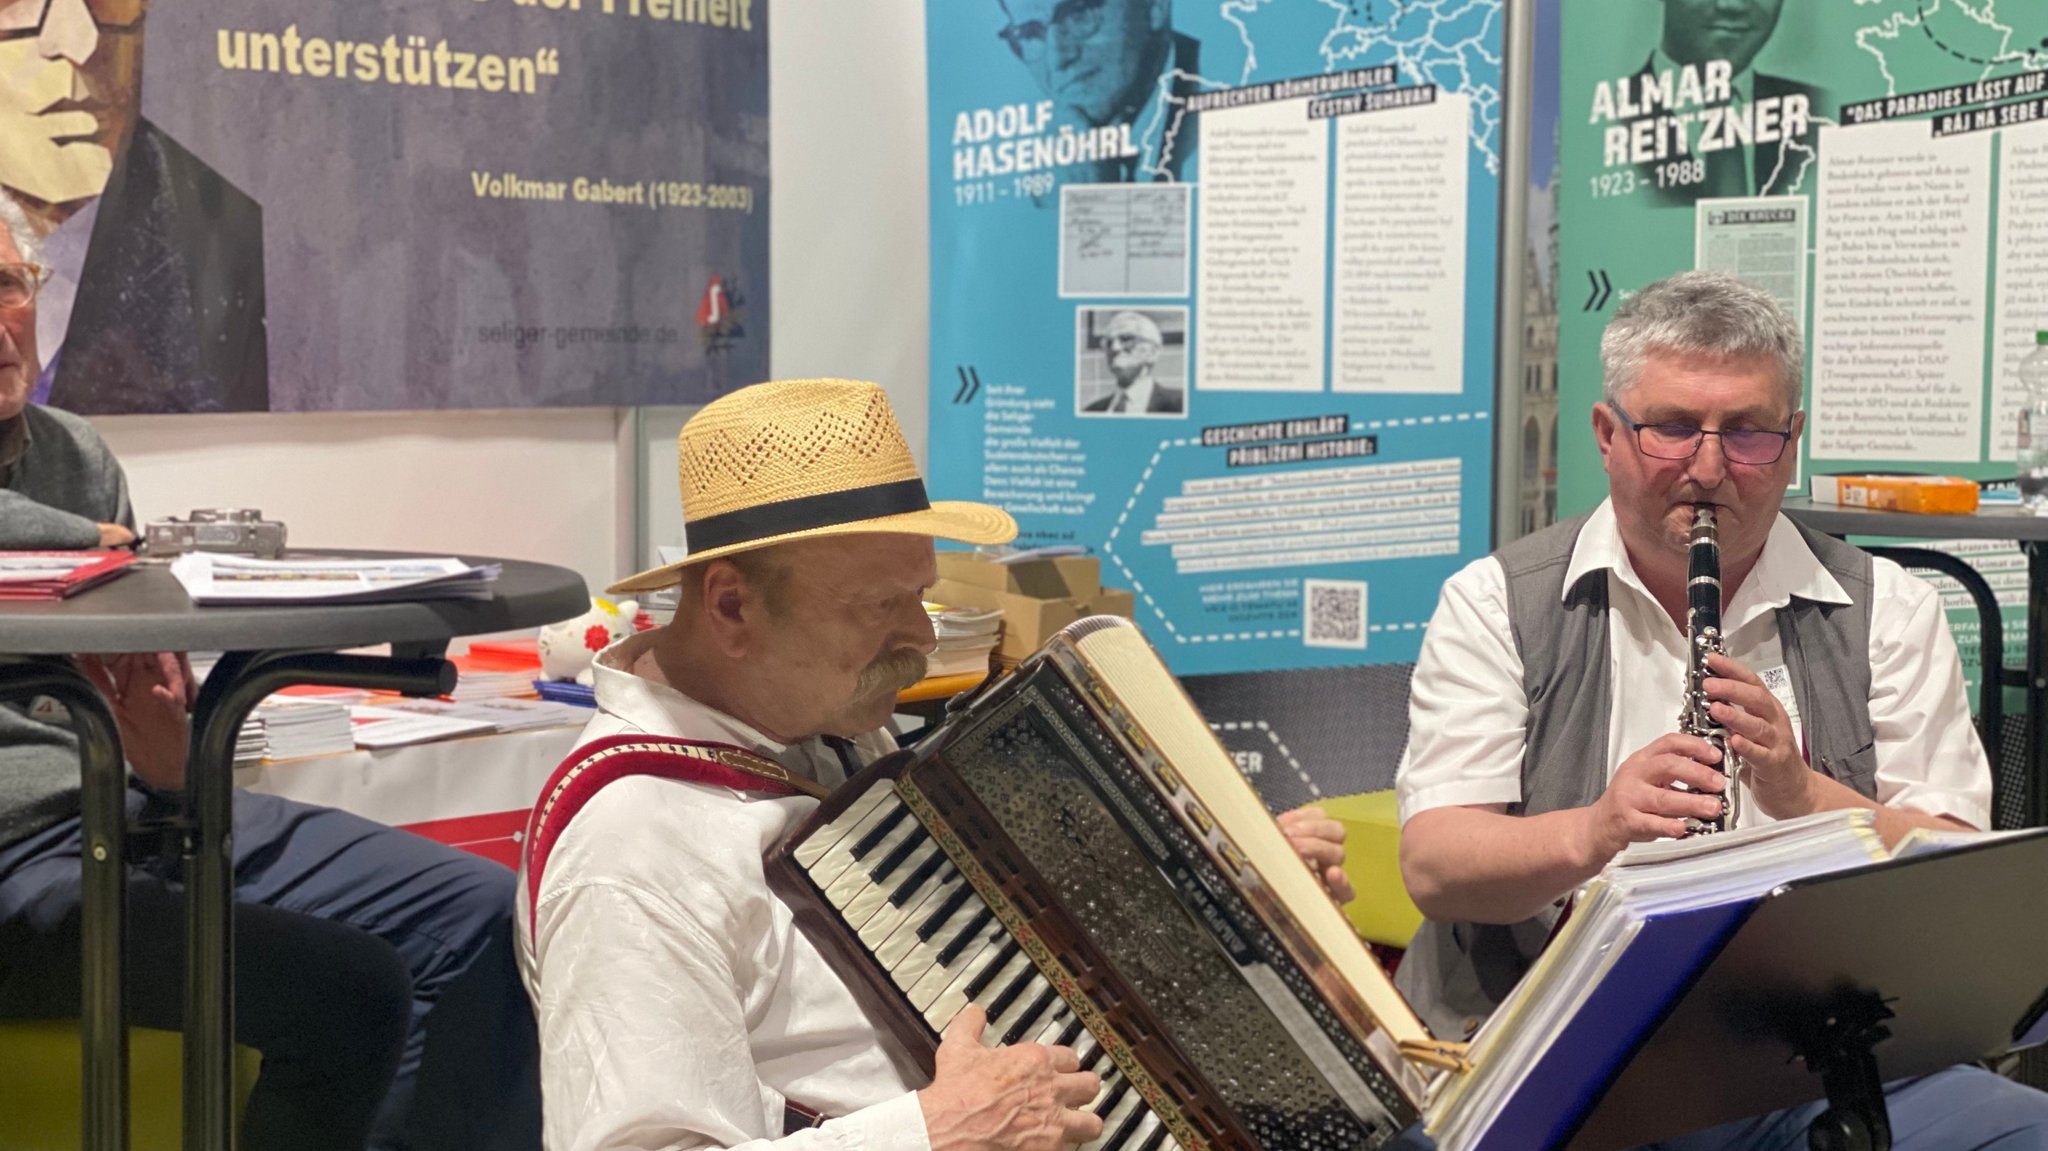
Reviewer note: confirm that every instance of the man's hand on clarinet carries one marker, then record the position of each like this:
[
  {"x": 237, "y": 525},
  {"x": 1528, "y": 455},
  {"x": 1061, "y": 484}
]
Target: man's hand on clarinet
[
  {"x": 1025, "y": 1097},
  {"x": 1761, "y": 735},
  {"x": 1640, "y": 804}
]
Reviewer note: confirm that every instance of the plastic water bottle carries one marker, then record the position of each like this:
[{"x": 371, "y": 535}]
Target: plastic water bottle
[{"x": 2033, "y": 455}]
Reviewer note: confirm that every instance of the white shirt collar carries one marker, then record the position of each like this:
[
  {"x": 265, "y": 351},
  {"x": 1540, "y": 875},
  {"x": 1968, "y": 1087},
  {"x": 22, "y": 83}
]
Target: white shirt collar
[
  {"x": 1140, "y": 393},
  {"x": 1787, "y": 568},
  {"x": 659, "y": 709}
]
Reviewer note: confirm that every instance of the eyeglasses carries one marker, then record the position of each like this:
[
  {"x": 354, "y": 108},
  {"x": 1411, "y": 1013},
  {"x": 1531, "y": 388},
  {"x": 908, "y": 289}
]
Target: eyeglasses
[
  {"x": 1125, "y": 340},
  {"x": 1755, "y": 446},
  {"x": 19, "y": 284},
  {"x": 24, "y": 17},
  {"x": 1073, "y": 19}
]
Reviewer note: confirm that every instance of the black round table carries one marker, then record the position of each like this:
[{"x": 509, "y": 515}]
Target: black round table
[{"x": 264, "y": 649}]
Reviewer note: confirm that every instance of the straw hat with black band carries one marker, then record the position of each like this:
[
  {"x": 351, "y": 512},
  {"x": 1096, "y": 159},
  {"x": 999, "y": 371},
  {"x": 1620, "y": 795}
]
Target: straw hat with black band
[{"x": 798, "y": 459}]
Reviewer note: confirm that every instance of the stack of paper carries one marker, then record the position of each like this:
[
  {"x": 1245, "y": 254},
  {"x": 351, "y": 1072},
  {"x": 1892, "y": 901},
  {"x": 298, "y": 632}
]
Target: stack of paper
[
  {"x": 290, "y": 728},
  {"x": 1645, "y": 882},
  {"x": 966, "y": 638},
  {"x": 376, "y": 727},
  {"x": 471, "y": 684},
  {"x": 211, "y": 578},
  {"x": 54, "y": 575},
  {"x": 501, "y": 714}
]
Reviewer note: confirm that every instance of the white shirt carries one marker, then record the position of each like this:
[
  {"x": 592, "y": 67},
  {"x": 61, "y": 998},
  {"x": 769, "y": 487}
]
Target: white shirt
[
  {"x": 1467, "y": 710},
  {"x": 1137, "y": 397},
  {"x": 679, "y": 1005}
]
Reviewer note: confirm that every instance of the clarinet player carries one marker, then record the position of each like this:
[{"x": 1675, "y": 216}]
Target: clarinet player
[{"x": 1542, "y": 735}]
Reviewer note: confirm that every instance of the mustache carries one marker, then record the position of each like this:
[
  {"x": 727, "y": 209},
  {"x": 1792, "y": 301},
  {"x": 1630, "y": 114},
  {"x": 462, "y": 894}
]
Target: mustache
[{"x": 892, "y": 672}]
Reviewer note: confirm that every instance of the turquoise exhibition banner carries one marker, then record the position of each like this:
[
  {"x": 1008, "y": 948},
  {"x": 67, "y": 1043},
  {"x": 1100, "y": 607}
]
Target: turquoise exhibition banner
[{"x": 1213, "y": 296}]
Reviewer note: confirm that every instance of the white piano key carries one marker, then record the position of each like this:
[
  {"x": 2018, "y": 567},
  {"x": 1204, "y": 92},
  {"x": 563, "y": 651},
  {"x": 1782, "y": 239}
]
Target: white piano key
[
  {"x": 1129, "y": 1103},
  {"x": 897, "y": 948},
  {"x": 892, "y": 914},
  {"x": 835, "y": 862},
  {"x": 955, "y": 997},
  {"x": 960, "y": 972},
  {"x": 829, "y": 836},
  {"x": 855, "y": 878}
]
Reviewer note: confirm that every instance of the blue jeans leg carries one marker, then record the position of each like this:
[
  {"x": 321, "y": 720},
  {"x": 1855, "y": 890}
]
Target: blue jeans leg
[
  {"x": 1959, "y": 1109},
  {"x": 469, "y": 1074}
]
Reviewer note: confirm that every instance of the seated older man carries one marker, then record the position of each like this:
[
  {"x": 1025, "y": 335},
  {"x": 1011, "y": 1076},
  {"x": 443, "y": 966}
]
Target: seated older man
[
  {"x": 354, "y": 942},
  {"x": 679, "y": 1005}
]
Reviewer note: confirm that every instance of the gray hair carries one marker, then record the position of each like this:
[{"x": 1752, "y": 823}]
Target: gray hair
[
  {"x": 19, "y": 229},
  {"x": 1706, "y": 316}
]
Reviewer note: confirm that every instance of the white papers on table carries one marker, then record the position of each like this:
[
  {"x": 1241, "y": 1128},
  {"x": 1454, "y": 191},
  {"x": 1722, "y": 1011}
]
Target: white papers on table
[
  {"x": 501, "y": 714},
  {"x": 222, "y": 579},
  {"x": 377, "y": 727},
  {"x": 287, "y": 727}
]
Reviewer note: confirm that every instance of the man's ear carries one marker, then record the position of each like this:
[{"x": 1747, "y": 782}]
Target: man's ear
[
  {"x": 1606, "y": 426},
  {"x": 729, "y": 609}
]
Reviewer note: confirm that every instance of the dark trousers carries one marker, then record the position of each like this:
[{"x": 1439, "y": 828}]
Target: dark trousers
[{"x": 374, "y": 971}]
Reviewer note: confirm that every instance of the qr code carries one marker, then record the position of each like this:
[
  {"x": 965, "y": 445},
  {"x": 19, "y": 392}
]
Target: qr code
[{"x": 1333, "y": 613}]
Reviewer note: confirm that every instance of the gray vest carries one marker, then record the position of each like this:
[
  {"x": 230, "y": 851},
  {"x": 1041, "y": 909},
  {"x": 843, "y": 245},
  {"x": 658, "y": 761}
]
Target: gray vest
[{"x": 1455, "y": 974}]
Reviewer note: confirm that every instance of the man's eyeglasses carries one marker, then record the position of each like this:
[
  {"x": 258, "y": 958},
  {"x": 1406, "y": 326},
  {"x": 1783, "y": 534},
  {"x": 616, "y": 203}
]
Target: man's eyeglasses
[
  {"x": 19, "y": 284},
  {"x": 1074, "y": 19},
  {"x": 23, "y": 17},
  {"x": 1682, "y": 441},
  {"x": 1125, "y": 340}
]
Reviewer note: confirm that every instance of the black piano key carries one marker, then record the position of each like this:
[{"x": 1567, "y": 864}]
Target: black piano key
[
  {"x": 988, "y": 974},
  {"x": 1008, "y": 996},
  {"x": 1128, "y": 1127},
  {"x": 1157, "y": 1140},
  {"x": 1115, "y": 1096},
  {"x": 1066, "y": 1038},
  {"x": 1029, "y": 1023},
  {"x": 948, "y": 908},
  {"x": 894, "y": 859},
  {"x": 972, "y": 933},
  {"x": 880, "y": 832},
  {"x": 1090, "y": 1052},
  {"x": 922, "y": 872}
]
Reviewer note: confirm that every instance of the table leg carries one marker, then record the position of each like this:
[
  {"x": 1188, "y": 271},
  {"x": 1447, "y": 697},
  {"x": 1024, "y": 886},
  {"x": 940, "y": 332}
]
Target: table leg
[
  {"x": 104, "y": 814},
  {"x": 209, "y": 856},
  {"x": 2037, "y": 683},
  {"x": 236, "y": 685}
]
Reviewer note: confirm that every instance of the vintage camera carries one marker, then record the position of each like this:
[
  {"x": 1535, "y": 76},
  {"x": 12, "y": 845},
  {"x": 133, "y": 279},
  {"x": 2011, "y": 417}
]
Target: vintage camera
[{"x": 242, "y": 531}]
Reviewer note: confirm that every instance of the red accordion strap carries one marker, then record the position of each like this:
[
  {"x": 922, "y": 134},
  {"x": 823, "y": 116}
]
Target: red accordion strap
[{"x": 592, "y": 766}]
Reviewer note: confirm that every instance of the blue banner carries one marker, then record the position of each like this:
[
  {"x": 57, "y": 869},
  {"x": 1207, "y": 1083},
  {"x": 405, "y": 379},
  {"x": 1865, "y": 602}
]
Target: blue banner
[{"x": 1213, "y": 294}]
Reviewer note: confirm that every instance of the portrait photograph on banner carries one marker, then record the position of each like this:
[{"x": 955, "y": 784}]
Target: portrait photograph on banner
[{"x": 395, "y": 204}]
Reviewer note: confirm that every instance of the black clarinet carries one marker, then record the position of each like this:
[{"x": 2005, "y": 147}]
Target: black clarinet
[{"x": 1703, "y": 628}]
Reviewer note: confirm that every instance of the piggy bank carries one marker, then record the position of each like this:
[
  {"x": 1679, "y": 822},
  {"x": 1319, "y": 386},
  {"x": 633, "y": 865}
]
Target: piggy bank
[{"x": 567, "y": 648}]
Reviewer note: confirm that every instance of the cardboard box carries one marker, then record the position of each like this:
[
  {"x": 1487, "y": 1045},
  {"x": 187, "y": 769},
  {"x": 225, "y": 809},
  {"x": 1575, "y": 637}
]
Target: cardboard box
[
  {"x": 1056, "y": 577},
  {"x": 1029, "y": 621}
]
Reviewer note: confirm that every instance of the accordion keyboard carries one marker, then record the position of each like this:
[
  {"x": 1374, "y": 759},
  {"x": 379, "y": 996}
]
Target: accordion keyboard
[{"x": 919, "y": 919}]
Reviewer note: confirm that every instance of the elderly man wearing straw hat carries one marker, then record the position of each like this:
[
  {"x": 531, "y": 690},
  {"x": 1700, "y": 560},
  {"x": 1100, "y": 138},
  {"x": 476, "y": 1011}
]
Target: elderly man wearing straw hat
[{"x": 678, "y": 1004}]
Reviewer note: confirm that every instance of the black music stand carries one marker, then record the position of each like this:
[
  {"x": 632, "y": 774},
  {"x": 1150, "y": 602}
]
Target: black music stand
[{"x": 1839, "y": 984}]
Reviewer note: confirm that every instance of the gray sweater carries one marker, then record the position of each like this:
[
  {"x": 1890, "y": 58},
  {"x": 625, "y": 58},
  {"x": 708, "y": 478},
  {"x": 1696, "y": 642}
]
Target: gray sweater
[{"x": 58, "y": 483}]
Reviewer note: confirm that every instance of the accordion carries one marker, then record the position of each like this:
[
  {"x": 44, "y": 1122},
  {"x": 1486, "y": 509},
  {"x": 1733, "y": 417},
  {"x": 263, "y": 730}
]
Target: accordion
[{"x": 1077, "y": 854}]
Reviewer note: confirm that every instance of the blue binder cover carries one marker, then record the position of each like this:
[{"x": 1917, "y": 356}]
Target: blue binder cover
[{"x": 1641, "y": 988}]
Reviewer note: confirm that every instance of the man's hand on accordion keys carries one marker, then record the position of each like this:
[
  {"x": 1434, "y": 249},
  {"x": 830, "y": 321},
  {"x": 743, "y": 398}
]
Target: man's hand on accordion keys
[
  {"x": 1319, "y": 840},
  {"x": 1025, "y": 1097}
]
